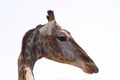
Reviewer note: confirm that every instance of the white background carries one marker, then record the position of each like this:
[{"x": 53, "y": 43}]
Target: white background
[{"x": 94, "y": 24}]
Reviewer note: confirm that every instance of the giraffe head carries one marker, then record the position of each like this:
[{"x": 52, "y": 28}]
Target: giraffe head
[{"x": 57, "y": 44}]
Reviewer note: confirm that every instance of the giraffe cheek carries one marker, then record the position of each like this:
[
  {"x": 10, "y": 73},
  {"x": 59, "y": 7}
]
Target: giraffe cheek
[{"x": 69, "y": 56}]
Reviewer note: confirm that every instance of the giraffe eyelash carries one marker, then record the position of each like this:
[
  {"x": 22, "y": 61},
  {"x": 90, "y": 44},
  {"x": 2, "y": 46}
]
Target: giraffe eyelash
[{"x": 62, "y": 38}]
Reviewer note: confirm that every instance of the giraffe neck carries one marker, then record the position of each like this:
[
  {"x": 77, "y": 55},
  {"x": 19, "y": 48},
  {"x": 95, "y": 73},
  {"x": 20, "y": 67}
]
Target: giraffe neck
[{"x": 28, "y": 55}]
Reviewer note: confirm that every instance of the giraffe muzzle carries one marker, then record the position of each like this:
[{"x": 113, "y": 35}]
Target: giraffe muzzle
[
  {"x": 86, "y": 67},
  {"x": 90, "y": 68}
]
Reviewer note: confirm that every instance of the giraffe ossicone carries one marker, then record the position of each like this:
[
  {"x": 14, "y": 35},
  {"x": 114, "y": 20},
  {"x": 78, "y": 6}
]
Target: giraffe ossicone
[
  {"x": 52, "y": 42},
  {"x": 47, "y": 28}
]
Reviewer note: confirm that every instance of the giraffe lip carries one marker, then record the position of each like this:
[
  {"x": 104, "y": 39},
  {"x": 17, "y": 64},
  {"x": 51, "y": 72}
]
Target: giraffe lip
[{"x": 90, "y": 68}]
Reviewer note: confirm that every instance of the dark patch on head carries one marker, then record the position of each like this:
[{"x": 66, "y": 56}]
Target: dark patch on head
[
  {"x": 50, "y": 12},
  {"x": 36, "y": 38},
  {"x": 50, "y": 15},
  {"x": 48, "y": 18}
]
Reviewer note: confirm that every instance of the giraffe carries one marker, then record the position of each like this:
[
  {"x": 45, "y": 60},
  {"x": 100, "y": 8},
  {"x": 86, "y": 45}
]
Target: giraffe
[{"x": 52, "y": 42}]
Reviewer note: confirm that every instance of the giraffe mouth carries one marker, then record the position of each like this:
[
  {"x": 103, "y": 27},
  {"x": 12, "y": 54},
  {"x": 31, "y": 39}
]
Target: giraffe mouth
[
  {"x": 86, "y": 67},
  {"x": 89, "y": 68}
]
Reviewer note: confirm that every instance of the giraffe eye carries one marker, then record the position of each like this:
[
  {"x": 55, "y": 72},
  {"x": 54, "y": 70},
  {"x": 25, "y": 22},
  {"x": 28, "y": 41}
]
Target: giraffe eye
[{"x": 62, "y": 38}]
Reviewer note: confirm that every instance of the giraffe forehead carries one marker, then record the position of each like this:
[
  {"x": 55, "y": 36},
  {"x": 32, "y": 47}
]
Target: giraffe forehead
[
  {"x": 47, "y": 29},
  {"x": 66, "y": 33}
]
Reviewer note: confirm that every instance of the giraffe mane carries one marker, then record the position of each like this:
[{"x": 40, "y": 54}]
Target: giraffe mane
[{"x": 25, "y": 39}]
